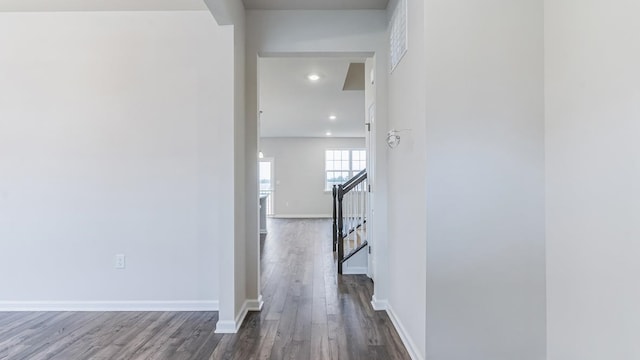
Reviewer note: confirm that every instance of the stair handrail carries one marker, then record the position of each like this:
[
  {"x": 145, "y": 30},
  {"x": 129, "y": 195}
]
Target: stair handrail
[
  {"x": 356, "y": 179},
  {"x": 339, "y": 192}
]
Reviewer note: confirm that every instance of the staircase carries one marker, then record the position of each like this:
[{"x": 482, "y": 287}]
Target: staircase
[{"x": 350, "y": 217}]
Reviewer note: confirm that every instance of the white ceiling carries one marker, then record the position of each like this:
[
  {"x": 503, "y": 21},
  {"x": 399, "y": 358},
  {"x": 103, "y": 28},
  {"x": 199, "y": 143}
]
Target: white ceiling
[
  {"x": 135, "y": 5},
  {"x": 100, "y": 5},
  {"x": 293, "y": 106},
  {"x": 316, "y": 4}
]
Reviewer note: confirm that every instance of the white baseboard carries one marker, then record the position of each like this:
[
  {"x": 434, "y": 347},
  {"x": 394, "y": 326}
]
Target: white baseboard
[
  {"x": 227, "y": 327},
  {"x": 255, "y": 305},
  {"x": 302, "y": 216},
  {"x": 379, "y": 305},
  {"x": 109, "y": 305},
  {"x": 232, "y": 327},
  {"x": 354, "y": 270},
  {"x": 404, "y": 336}
]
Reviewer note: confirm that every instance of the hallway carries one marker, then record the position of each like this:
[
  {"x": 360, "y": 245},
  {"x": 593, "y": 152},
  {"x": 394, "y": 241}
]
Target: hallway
[{"x": 310, "y": 313}]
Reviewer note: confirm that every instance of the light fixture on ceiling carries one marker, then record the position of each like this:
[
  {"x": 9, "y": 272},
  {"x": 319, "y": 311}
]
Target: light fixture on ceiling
[
  {"x": 328, "y": 133},
  {"x": 332, "y": 117},
  {"x": 313, "y": 77}
]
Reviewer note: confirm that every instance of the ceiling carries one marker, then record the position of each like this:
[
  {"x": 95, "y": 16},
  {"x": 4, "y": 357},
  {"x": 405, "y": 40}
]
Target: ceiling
[
  {"x": 135, "y": 5},
  {"x": 316, "y": 4},
  {"x": 100, "y": 5},
  {"x": 294, "y": 106}
]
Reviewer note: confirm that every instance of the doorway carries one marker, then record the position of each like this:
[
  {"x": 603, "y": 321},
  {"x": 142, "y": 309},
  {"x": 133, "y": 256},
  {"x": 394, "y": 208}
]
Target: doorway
[{"x": 311, "y": 108}]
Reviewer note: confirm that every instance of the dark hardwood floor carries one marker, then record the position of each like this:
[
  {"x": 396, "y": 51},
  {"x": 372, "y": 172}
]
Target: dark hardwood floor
[{"x": 309, "y": 313}]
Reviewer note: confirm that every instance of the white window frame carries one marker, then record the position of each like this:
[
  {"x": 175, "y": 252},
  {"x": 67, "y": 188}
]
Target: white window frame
[{"x": 351, "y": 171}]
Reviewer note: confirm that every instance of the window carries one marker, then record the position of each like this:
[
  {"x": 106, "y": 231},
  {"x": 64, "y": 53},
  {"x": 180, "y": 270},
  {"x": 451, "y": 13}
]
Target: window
[
  {"x": 342, "y": 165},
  {"x": 266, "y": 183},
  {"x": 265, "y": 176}
]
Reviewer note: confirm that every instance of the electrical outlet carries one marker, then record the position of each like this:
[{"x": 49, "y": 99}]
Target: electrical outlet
[{"x": 120, "y": 261}]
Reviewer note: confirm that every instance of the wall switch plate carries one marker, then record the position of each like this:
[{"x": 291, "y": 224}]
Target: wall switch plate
[{"x": 120, "y": 261}]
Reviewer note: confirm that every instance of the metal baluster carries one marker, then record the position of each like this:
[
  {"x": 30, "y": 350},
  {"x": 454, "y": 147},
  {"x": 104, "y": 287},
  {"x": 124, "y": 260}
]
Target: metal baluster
[{"x": 341, "y": 227}]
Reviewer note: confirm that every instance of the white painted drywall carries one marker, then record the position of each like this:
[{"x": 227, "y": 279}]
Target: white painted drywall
[
  {"x": 320, "y": 33},
  {"x": 299, "y": 170},
  {"x": 485, "y": 180},
  {"x": 110, "y": 143},
  {"x": 406, "y": 179},
  {"x": 593, "y": 177},
  {"x": 238, "y": 277}
]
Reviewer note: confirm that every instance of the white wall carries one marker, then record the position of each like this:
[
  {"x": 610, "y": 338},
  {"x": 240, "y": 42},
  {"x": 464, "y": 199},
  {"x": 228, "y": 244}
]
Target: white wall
[
  {"x": 236, "y": 272},
  {"x": 593, "y": 172},
  {"x": 109, "y": 144},
  {"x": 299, "y": 170},
  {"x": 406, "y": 177},
  {"x": 485, "y": 180}
]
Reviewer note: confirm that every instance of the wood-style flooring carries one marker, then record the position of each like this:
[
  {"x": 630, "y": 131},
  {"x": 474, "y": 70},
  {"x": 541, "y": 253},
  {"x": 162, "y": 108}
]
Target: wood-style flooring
[{"x": 309, "y": 313}]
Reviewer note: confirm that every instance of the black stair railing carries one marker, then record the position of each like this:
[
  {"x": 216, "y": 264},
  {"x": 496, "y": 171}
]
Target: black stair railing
[{"x": 350, "y": 217}]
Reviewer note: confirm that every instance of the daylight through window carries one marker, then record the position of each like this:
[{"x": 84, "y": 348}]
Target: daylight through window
[{"x": 341, "y": 165}]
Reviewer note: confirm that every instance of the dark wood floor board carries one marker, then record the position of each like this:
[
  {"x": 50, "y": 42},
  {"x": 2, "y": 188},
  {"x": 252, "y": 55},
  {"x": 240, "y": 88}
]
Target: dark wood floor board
[
  {"x": 13, "y": 344},
  {"x": 377, "y": 352},
  {"x": 195, "y": 333},
  {"x": 7, "y": 318},
  {"x": 268, "y": 332},
  {"x": 251, "y": 337},
  {"x": 319, "y": 311},
  {"x": 284, "y": 336},
  {"x": 338, "y": 338},
  {"x": 225, "y": 348},
  {"x": 302, "y": 326},
  {"x": 162, "y": 339},
  {"x": 310, "y": 313},
  {"x": 116, "y": 338},
  {"x": 99, "y": 337},
  {"x": 320, "y": 341},
  {"x": 26, "y": 321},
  {"x": 69, "y": 330},
  {"x": 146, "y": 333}
]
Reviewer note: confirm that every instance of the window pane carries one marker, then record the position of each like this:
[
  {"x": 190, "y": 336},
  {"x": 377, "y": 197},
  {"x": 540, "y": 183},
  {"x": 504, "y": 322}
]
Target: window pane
[
  {"x": 265, "y": 170},
  {"x": 342, "y": 165},
  {"x": 265, "y": 175},
  {"x": 329, "y": 155},
  {"x": 336, "y": 178},
  {"x": 359, "y": 160},
  {"x": 331, "y": 165}
]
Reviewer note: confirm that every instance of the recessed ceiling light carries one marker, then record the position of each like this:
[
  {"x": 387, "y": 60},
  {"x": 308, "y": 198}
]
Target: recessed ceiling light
[
  {"x": 332, "y": 117},
  {"x": 313, "y": 77},
  {"x": 328, "y": 133}
]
